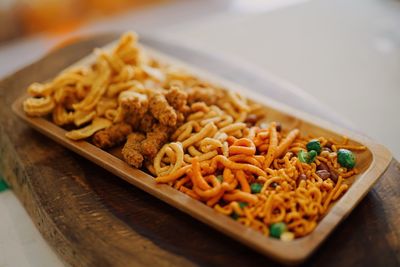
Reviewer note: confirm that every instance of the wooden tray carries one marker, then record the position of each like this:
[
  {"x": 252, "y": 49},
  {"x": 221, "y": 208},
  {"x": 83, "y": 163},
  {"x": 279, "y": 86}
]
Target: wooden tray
[{"x": 371, "y": 163}]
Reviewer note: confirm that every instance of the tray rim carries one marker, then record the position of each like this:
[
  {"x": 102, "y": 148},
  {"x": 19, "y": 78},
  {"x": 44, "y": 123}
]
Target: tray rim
[{"x": 292, "y": 252}]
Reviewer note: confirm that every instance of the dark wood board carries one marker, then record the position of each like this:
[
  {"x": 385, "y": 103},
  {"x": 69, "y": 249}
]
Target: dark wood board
[{"x": 92, "y": 218}]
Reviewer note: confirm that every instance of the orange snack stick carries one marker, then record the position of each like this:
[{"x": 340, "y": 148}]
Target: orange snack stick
[
  {"x": 284, "y": 145},
  {"x": 173, "y": 176},
  {"x": 230, "y": 186},
  {"x": 242, "y": 146},
  {"x": 228, "y": 175},
  {"x": 189, "y": 192},
  {"x": 273, "y": 143},
  {"x": 212, "y": 201},
  {"x": 236, "y": 166},
  {"x": 241, "y": 177},
  {"x": 263, "y": 148},
  {"x": 199, "y": 136},
  {"x": 241, "y": 196},
  {"x": 226, "y": 210},
  {"x": 181, "y": 182},
  {"x": 197, "y": 178},
  {"x": 209, "y": 193},
  {"x": 243, "y": 158}
]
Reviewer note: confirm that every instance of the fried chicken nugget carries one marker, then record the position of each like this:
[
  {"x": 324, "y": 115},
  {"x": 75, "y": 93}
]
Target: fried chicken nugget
[
  {"x": 155, "y": 140},
  {"x": 132, "y": 149},
  {"x": 177, "y": 98},
  {"x": 161, "y": 110},
  {"x": 133, "y": 106},
  {"x": 147, "y": 122},
  {"x": 112, "y": 136},
  {"x": 134, "y": 102},
  {"x": 208, "y": 95}
]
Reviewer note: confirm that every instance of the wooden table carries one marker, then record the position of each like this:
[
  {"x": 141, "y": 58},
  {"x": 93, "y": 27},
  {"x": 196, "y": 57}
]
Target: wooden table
[{"x": 92, "y": 218}]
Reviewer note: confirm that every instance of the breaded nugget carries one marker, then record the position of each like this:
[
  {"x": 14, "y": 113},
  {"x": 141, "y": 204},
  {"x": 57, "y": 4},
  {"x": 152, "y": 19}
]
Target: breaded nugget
[
  {"x": 112, "y": 135},
  {"x": 155, "y": 140},
  {"x": 132, "y": 149},
  {"x": 177, "y": 98},
  {"x": 208, "y": 95},
  {"x": 161, "y": 110},
  {"x": 146, "y": 123},
  {"x": 134, "y": 105}
]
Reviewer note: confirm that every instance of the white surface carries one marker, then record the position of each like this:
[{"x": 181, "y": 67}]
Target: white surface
[
  {"x": 20, "y": 242},
  {"x": 336, "y": 50}
]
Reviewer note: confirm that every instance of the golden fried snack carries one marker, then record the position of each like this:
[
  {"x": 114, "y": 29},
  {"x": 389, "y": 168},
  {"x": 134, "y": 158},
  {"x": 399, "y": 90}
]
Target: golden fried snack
[
  {"x": 132, "y": 107},
  {"x": 128, "y": 51},
  {"x": 134, "y": 101},
  {"x": 132, "y": 149},
  {"x": 96, "y": 125},
  {"x": 161, "y": 110},
  {"x": 66, "y": 96},
  {"x": 177, "y": 98},
  {"x": 127, "y": 73},
  {"x": 82, "y": 117},
  {"x": 174, "y": 153},
  {"x": 155, "y": 140},
  {"x": 147, "y": 122},
  {"x": 105, "y": 104},
  {"x": 208, "y": 95},
  {"x": 38, "y": 106},
  {"x": 98, "y": 88},
  {"x": 112, "y": 136},
  {"x": 114, "y": 89},
  {"x": 39, "y": 89},
  {"x": 61, "y": 116}
]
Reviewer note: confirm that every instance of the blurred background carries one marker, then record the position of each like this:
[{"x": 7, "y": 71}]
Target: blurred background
[
  {"x": 345, "y": 54},
  {"x": 27, "y": 17}
]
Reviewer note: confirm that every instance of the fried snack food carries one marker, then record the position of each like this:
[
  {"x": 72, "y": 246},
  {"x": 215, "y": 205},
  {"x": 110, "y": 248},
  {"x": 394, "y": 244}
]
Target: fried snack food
[
  {"x": 85, "y": 132},
  {"x": 132, "y": 107},
  {"x": 124, "y": 86},
  {"x": 210, "y": 143},
  {"x": 262, "y": 180},
  {"x": 162, "y": 110},
  {"x": 132, "y": 149},
  {"x": 39, "y": 106},
  {"x": 154, "y": 140},
  {"x": 112, "y": 136},
  {"x": 177, "y": 98}
]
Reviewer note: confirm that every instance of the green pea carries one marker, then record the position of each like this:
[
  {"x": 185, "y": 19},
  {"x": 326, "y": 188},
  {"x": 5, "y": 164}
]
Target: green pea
[
  {"x": 346, "y": 158},
  {"x": 255, "y": 188},
  {"x": 277, "y": 229},
  {"x": 220, "y": 178},
  {"x": 311, "y": 156},
  {"x": 307, "y": 157},
  {"x": 302, "y": 155},
  {"x": 242, "y": 204},
  {"x": 314, "y": 145}
]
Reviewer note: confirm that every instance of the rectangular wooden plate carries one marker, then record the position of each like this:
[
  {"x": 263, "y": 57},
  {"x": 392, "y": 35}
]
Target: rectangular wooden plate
[{"x": 371, "y": 163}]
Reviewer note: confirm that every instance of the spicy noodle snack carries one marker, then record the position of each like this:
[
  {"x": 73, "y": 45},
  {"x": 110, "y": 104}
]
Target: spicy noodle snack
[{"x": 210, "y": 143}]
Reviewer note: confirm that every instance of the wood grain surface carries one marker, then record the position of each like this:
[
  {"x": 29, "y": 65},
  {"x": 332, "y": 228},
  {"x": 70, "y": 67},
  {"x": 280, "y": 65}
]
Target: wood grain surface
[{"x": 92, "y": 218}]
